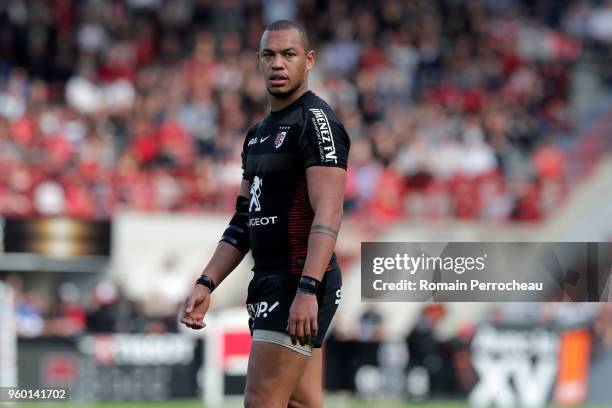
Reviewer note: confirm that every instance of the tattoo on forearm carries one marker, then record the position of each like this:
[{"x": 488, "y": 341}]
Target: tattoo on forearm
[{"x": 324, "y": 229}]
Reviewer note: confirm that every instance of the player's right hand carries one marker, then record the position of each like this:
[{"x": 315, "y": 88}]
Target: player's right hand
[{"x": 196, "y": 307}]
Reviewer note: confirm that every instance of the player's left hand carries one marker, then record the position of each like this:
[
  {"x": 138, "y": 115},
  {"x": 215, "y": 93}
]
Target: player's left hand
[{"x": 302, "y": 324}]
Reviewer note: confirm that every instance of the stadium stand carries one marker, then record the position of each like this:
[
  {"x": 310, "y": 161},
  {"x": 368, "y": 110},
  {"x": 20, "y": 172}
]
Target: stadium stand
[{"x": 455, "y": 109}]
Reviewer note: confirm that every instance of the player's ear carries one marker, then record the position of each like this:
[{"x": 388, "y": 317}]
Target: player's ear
[
  {"x": 310, "y": 59},
  {"x": 258, "y": 61}
]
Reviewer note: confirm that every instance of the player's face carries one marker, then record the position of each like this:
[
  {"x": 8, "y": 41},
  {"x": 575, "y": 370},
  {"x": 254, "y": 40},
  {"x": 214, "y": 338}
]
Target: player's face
[{"x": 284, "y": 62}]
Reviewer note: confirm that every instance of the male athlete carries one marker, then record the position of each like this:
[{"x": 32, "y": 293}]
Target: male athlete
[{"x": 288, "y": 213}]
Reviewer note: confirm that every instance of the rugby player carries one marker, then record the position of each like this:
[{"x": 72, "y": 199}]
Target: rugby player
[{"x": 288, "y": 214}]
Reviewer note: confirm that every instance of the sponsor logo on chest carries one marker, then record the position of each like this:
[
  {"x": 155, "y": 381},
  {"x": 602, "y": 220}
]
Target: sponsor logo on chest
[
  {"x": 255, "y": 205},
  {"x": 262, "y": 221}
]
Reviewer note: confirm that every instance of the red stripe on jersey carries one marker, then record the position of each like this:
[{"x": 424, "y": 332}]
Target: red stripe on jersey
[{"x": 300, "y": 221}]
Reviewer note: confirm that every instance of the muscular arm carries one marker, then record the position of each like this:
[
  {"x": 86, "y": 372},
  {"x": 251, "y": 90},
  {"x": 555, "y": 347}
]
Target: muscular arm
[
  {"x": 223, "y": 262},
  {"x": 326, "y": 190},
  {"x": 226, "y": 257}
]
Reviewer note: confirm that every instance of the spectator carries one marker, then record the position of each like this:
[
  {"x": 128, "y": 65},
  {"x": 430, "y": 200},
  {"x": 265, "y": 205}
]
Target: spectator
[
  {"x": 69, "y": 317},
  {"x": 370, "y": 325},
  {"x": 102, "y": 316},
  {"x": 123, "y": 115}
]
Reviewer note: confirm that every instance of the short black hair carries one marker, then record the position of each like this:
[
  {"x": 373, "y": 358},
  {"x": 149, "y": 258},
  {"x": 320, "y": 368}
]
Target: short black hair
[{"x": 280, "y": 25}]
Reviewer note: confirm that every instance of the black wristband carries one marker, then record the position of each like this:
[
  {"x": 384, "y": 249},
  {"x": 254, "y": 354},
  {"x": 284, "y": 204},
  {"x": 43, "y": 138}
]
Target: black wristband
[
  {"x": 237, "y": 232},
  {"x": 308, "y": 285},
  {"x": 206, "y": 281}
]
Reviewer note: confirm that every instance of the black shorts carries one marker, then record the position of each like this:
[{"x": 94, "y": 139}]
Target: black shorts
[{"x": 270, "y": 297}]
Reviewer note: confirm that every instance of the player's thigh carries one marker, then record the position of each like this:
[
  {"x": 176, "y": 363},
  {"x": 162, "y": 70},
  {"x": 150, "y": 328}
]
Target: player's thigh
[
  {"x": 309, "y": 391},
  {"x": 272, "y": 375}
]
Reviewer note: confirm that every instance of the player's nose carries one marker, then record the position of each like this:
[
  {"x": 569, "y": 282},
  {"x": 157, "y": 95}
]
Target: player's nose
[{"x": 277, "y": 62}]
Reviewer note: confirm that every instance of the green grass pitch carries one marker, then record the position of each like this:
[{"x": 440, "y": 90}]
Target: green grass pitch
[{"x": 198, "y": 404}]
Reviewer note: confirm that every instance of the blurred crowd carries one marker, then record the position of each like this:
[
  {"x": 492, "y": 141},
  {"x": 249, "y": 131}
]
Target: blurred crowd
[
  {"x": 453, "y": 107},
  {"x": 448, "y": 355},
  {"x": 72, "y": 310},
  {"x": 101, "y": 307}
]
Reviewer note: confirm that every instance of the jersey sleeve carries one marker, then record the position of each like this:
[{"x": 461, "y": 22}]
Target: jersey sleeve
[
  {"x": 245, "y": 146},
  {"x": 323, "y": 141}
]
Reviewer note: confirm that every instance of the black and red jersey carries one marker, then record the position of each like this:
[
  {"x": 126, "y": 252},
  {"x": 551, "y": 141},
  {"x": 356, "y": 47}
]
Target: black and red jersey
[{"x": 276, "y": 153}]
